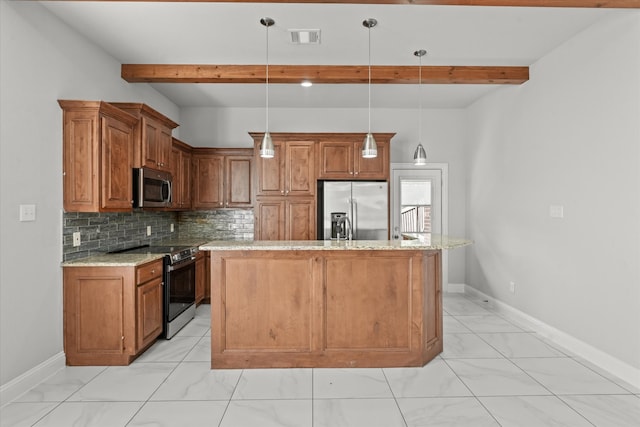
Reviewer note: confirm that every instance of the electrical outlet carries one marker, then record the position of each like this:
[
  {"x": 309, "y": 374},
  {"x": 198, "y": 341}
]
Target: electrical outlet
[
  {"x": 556, "y": 211},
  {"x": 512, "y": 287},
  {"x": 148, "y": 230},
  {"x": 76, "y": 238},
  {"x": 27, "y": 212},
  {"x": 172, "y": 228}
]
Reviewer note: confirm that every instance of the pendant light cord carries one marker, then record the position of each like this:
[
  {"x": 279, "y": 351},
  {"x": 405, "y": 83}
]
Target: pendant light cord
[
  {"x": 267, "y": 84},
  {"x": 369, "y": 78},
  {"x": 420, "y": 101}
]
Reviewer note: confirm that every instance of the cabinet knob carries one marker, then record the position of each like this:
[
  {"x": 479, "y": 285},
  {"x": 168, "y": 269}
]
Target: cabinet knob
[
  {"x": 282, "y": 192},
  {"x": 220, "y": 203},
  {"x": 351, "y": 172},
  {"x": 356, "y": 173}
]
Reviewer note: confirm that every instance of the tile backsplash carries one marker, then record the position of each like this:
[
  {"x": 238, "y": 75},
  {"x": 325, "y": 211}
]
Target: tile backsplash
[
  {"x": 104, "y": 232},
  {"x": 218, "y": 224}
]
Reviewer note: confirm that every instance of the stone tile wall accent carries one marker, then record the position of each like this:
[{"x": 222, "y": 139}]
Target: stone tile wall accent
[
  {"x": 218, "y": 224},
  {"x": 104, "y": 232}
]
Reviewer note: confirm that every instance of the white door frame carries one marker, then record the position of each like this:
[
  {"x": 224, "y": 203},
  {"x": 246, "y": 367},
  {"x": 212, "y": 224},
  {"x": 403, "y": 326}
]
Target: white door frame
[{"x": 443, "y": 170}]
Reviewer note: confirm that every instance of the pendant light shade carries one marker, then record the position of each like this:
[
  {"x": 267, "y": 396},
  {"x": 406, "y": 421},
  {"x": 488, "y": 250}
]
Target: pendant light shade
[
  {"x": 369, "y": 146},
  {"x": 267, "y": 150},
  {"x": 420, "y": 155}
]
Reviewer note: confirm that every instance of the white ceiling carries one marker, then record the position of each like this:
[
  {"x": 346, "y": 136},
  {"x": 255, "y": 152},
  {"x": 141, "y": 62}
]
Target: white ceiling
[{"x": 230, "y": 33}]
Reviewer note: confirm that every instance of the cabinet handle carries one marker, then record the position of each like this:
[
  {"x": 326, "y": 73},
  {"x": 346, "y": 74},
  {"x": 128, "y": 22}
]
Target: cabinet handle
[
  {"x": 282, "y": 192},
  {"x": 356, "y": 173},
  {"x": 286, "y": 192},
  {"x": 220, "y": 203}
]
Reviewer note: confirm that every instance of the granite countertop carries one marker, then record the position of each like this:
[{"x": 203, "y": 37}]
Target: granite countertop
[
  {"x": 113, "y": 260},
  {"x": 422, "y": 242},
  {"x": 130, "y": 260}
]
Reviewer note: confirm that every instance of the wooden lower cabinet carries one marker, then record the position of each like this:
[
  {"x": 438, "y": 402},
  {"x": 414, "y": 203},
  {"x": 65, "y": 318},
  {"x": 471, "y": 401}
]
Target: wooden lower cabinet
[
  {"x": 328, "y": 308},
  {"x": 111, "y": 314}
]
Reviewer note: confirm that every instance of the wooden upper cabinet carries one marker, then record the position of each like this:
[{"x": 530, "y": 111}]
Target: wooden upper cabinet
[
  {"x": 339, "y": 157},
  {"x": 181, "y": 173},
  {"x": 285, "y": 218},
  {"x": 207, "y": 180},
  {"x": 291, "y": 172},
  {"x": 238, "y": 182},
  {"x": 222, "y": 178},
  {"x": 152, "y": 138},
  {"x": 97, "y": 157}
]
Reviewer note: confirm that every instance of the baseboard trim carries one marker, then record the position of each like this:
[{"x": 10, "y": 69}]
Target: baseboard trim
[
  {"x": 581, "y": 349},
  {"x": 31, "y": 378},
  {"x": 456, "y": 288}
]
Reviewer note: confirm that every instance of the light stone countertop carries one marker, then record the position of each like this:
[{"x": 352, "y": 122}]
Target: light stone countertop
[
  {"x": 414, "y": 242},
  {"x": 113, "y": 260}
]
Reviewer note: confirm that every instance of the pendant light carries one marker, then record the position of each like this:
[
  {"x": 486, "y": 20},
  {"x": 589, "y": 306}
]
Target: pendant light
[
  {"x": 420, "y": 156},
  {"x": 369, "y": 146},
  {"x": 267, "y": 150}
]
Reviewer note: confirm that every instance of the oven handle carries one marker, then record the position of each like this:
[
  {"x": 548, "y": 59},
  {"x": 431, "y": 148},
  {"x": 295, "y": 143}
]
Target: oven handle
[{"x": 181, "y": 264}]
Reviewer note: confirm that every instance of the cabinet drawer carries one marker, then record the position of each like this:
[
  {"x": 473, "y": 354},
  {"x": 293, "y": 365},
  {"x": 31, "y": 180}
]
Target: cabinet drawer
[{"x": 148, "y": 271}]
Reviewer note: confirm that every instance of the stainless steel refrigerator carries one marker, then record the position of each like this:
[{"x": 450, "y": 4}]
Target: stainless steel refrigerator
[{"x": 365, "y": 203}]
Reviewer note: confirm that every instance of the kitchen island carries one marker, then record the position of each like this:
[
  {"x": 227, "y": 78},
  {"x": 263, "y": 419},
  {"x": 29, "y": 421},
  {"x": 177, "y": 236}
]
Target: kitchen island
[{"x": 285, "y": 304}]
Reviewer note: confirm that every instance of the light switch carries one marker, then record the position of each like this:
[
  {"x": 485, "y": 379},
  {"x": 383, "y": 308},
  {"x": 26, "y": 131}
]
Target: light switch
[
  {"x": 556, "y": 211},
  {"x": 27, "y": 212}
]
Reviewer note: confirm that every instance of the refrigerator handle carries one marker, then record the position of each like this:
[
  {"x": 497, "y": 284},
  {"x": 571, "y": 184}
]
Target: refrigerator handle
[{"x": 354, "y": 218}]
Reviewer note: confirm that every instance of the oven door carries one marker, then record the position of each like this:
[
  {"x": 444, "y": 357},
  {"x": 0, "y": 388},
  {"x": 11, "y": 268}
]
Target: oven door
[{"x": 180, "y": 288}]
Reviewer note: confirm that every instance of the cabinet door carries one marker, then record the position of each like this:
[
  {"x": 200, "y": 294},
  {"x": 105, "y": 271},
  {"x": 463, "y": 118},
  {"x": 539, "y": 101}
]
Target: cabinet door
[
  {"x": 80, "y": 159},
  {"x": 117, "y": 160},
  {"x": 375, "y": 168},
  {"x": 185, "y": 180},
  {"x": 336, "y": 159},
  {"x": 238, "y": 181},
  {"x": 270, "y": 219},
  {"x": 148, "y": 312},
  {"x": 300, "y": 168},
  {"x": 150, "y": 150},
  {"x": 271, "y": 175},
  {"x": 176, "y": 190},
  {"x": 208, "y": 181},
  {"x": 99, "y": 315},
  {"x": 163, "y": 147},
  {"x": 300, "y": 219}
]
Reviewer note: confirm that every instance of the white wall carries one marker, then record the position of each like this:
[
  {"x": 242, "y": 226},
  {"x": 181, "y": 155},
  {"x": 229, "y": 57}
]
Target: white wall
[
  {"x": 442, "y": 130},
  {"x": 41, "y": 61},
  {"x": 570, "y": 136}
]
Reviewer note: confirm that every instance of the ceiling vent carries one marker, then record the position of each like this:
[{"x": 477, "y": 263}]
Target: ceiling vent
[{"x": 305, "y": 36}]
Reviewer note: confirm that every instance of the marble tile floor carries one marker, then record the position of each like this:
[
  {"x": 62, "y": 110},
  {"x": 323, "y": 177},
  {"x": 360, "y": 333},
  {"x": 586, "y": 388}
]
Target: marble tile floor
[{"x": 491, "y": 373}]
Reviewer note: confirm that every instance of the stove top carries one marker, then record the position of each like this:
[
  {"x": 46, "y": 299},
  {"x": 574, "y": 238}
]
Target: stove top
[{"x": 175, "y": 253}]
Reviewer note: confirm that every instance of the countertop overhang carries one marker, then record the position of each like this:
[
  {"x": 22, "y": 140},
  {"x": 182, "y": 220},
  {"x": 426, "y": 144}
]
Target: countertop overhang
[{"x": 421, "y": 242}]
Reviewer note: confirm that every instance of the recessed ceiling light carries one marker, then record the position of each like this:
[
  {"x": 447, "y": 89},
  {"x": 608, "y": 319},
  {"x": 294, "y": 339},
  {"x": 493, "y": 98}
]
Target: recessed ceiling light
[
  {"x": 305, "y": 36},
  {"x": 306, "y": 83}
]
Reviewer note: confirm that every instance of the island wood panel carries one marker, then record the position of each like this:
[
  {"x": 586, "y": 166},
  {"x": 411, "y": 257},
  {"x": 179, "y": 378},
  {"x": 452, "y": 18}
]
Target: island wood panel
[
  {"x": 333, "y": 308},
  {"x": 267, "y": 303},
  {"x": 432, "y": 271},
  {"x": 368, "y": 303}
]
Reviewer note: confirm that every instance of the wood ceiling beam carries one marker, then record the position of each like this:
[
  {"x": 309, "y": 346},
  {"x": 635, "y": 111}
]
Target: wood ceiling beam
[
  {"x": 613, "y": 4},
  {"x": 331, "y": 74}
]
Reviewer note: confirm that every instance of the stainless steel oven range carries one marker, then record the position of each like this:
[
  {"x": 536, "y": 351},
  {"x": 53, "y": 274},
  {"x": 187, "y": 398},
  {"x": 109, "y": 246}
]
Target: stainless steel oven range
[{"x": 179, "y": 280}]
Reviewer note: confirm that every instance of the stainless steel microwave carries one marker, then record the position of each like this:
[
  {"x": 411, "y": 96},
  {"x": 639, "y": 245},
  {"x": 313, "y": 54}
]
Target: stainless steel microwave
[{"x": 151, "y": 188}]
